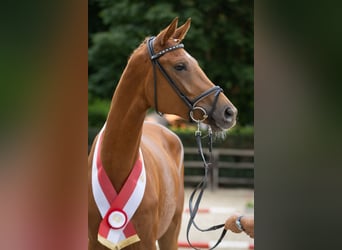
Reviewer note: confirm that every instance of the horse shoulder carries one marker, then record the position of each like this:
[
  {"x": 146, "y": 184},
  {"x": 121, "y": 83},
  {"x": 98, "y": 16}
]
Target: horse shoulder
[{"x": 164, "y": 140}]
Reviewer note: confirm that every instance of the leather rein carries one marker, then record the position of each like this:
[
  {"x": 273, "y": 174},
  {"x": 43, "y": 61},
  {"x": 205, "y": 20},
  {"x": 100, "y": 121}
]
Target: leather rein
[
  {"x": 191, "y": 104},
  {"x": 199, "y": 190}
]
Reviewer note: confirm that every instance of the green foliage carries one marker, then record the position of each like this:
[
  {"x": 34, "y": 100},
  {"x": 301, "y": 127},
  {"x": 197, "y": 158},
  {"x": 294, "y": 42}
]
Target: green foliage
[
  {"x": 241, "y": 130},
  {"x": 97, "y": 112},
  {"x": 220, "y": 38}
]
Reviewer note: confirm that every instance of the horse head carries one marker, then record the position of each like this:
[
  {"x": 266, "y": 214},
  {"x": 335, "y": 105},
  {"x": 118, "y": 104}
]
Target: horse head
[{"x": 176, "y": 84}]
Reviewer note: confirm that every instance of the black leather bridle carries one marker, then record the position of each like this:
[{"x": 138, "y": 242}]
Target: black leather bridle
[{"x": 191, "y": 104}]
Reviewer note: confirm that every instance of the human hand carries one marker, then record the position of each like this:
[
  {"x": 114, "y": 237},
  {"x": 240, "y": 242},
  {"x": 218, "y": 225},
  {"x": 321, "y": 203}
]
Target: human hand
[{"x": 247, "y": 223}]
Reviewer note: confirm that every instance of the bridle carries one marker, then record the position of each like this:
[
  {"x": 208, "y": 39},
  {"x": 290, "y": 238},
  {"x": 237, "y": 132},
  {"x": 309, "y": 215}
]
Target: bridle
[{"x": 191, "y": 104}]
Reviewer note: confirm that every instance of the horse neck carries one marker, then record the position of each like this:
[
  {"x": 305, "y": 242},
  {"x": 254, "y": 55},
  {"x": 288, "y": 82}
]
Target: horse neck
[{"x": 122, "y": 134}]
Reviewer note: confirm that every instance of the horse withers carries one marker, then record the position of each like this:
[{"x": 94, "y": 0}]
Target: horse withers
[{"x": 160, "y": 74}]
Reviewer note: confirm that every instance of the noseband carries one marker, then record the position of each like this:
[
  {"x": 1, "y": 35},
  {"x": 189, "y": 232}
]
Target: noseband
[{"x": 191, "y": 104}]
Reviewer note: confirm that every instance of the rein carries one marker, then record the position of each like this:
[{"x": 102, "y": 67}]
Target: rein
[
  {"x": 191, "y": 104},
  {"x": 194, "y": 205}
]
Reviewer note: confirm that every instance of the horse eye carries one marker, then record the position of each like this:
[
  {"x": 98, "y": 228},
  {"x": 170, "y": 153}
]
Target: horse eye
[{"x": 180, "y": 67}]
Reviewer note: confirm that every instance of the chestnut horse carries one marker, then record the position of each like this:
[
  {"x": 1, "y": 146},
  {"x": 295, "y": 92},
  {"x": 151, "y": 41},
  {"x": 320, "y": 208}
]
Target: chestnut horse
[{"x": 159, "y": 74}]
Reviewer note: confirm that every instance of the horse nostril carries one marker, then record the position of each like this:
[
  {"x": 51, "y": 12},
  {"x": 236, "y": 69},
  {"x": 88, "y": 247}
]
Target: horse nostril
[{"x": 229, "y": 113}]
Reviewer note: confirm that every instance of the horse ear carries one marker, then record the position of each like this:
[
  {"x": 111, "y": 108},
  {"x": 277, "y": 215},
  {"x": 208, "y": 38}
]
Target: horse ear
[
  {"x": 182, "y": 30},
  {"x": 168, "y": 32}
]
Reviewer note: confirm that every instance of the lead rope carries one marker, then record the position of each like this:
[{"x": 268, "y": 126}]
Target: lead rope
[{"x": 194, "y": 205}]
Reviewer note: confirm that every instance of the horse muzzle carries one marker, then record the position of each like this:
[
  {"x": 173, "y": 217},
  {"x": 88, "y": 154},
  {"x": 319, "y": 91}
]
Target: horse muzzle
[{"x": 223, "y": 118}]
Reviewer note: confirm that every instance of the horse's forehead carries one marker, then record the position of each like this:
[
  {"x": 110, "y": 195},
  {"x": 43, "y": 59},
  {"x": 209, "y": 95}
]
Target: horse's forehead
[
  {"x": 184, "y": 56},
  {"x": 189, "y": 58}
]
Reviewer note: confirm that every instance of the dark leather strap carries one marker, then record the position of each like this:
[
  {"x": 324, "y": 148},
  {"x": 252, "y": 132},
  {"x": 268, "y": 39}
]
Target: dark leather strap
[{"x": 194, "y": 205}]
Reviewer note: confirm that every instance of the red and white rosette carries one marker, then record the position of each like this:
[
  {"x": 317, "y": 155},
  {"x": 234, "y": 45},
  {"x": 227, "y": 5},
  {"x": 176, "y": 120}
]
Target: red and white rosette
[{"x": 116, "y": 231}]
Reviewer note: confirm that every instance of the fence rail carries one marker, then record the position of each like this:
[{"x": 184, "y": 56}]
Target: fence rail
[{"x": 230, "y": 167}]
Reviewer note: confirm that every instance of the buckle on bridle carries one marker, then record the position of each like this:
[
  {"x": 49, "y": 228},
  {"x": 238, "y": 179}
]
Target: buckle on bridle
[
  {"x": 198, "y": 121},
  {"x": 204, "y": 116}
]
